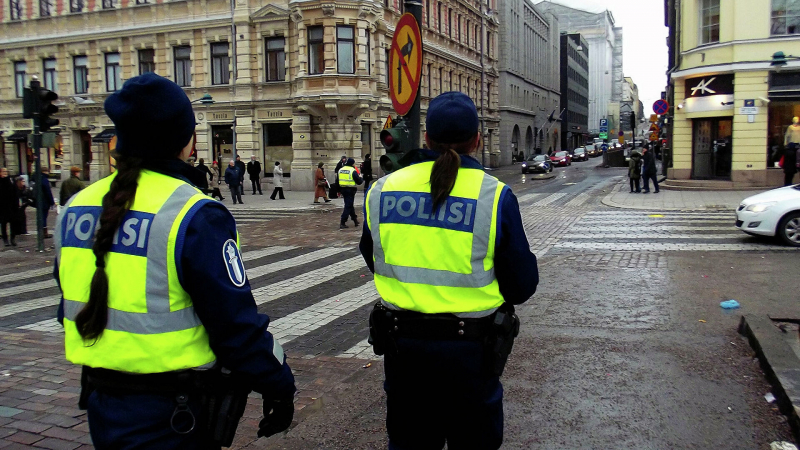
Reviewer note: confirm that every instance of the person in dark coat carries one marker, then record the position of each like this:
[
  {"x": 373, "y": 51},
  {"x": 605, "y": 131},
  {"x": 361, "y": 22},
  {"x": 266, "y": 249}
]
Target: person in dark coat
[
  {"x": 254, "y": 170},
  {"x": 242, "y": 169},
  {"x": 634, "y": 171},
  {"x": 790, "y": 164},
  {"x": 349, "y": 175},
  {"x": 234, "y": 181},
  {"x": 649, "y": 171},
  {"x": 334, "y": 190},
  {"x": 202, "y": 167},
  {"x": 8, "y": 206},
  {"x": 47, "y": 200},
  {"x": 366, "y": 170},
  {"x": 27, "y": 199},
  {"x": 71, "y": 186}
]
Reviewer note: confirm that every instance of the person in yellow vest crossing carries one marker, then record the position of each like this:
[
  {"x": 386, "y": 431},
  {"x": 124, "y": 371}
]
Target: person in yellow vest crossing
[
  {"x": 450, "y": 257},
  {"x": 349, "y": 178},
  {"x": 156, "y": 305}
]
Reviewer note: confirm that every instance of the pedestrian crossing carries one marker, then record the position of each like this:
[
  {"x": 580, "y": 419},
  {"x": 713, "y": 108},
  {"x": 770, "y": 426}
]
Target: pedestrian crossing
[
  {"x": 303, "y": 290},
  {"x": 627, "y": 230}
]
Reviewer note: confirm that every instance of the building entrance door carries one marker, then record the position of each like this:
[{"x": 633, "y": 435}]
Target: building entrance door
[
  {"x": 222, "y": 145},
  {"x": 712, "y": 149}
]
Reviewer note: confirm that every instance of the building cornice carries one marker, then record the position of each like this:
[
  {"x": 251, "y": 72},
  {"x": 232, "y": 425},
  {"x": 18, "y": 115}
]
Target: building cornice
[
  {"x": 744, "y": 66},
  {"x": 717, "y": 45}
]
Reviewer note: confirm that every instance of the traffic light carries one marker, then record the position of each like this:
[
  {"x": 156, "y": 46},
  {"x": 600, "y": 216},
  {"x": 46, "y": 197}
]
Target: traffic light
[
  {"x": 397, "y": 142},
  {"x": 38, "y": 102},
  {"x": 633, "y": 122}
]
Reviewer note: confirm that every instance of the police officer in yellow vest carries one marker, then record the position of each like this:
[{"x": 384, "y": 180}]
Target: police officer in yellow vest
[
  {"x": 348, "y": 178},
  {"x": 450, "y": 257},
  {"x": 156, "y": 305}
]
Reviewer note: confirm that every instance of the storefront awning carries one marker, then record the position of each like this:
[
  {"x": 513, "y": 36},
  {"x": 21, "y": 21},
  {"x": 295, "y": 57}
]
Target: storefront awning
[
  {"x": 105, "y": 136},
  {"x": 18, "y": 136}
]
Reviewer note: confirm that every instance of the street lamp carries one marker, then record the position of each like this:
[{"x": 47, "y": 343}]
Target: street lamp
[{"x": 206, "y": 99}]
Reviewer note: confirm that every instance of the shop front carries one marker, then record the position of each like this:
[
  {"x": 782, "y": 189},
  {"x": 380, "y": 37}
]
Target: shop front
[
  {"x": 709, "y": 105},
  {"x": 784, "y": 105}
]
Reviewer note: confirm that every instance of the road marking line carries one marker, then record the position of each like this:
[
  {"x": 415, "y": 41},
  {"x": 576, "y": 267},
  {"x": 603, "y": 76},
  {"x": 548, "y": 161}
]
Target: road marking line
[
  {"x": 579, "y": 199},
  {"x": 29, "y": 305},
  {"x": 19, "y": 276},
  {"x": 739, "y": 235},
  {"x": 362, "y": 350},
  {"x": 550, "y": 199},
  {"x": 269, "y": 251},
  {"x": 527, "y": 197},
  {"x": 50, "y": 325},
  {"x": 660, "y": 247},
  {"x": 275, "y": 291},
  {"x": 291, "y": 262}
]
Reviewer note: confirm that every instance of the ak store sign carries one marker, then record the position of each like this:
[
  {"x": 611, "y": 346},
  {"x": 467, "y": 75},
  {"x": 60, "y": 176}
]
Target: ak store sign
[{"x": 709, "y": 86}]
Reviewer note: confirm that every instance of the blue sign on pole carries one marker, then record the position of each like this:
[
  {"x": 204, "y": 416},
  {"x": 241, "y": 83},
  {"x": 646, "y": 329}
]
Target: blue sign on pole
[{"x": 604, "y": 147}]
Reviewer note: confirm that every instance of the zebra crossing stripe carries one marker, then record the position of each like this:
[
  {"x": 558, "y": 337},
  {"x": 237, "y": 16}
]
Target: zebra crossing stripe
[
  {"x": 269, "y": 251},
  {"x": 579, "y": 199},
  {"x": 286, "y": 329},
  {"x": 527, "y": 197},
  {"x": 362, "y": 350},
  {"x": 291, "y": 262},
  {"x": 28, "y": 305},
  {"x": 50, "y": 325},
  {"x": 634, "y": 229},
  {"x": 549, "y": 199},
  {"x": 649, "y": 236},
  {"x": 19, "y": 276},
  {"x": 660, "y": 247},
  {"x": 275, "y": 291}
]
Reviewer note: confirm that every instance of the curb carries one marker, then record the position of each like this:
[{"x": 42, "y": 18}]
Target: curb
[
  {"x": 609, "y": 202},
  {"x": 780, "y": 364}
]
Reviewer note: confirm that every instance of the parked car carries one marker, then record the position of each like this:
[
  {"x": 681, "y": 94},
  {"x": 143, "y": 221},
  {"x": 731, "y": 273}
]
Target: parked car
[
  {"x": 579, "y": 154},
  {"x": 561, "y": 159},
  {"x": 772, "y": 213},
  {"x": 537, "y": 164}
]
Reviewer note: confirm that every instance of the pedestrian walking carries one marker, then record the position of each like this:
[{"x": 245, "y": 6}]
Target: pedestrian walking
[
  {"x": 27, "y": 199},
  {"x": 366, "y": 170},
  {"x": 242, "y": 169},
  {"x": 9, "y": 200},
  {"x": 153, "y": 318},
  {"x": 214, "y": 181},
  {"x": 649, "y": 171},
  {"x": 448, "y": 278},
  {"x": 277, "y": 181},
  {"x": 334, "y": 190},
  {"x": 254, "y": 170},
  {"x": 234, "y": 182},
  {"x": 321, "y": 184},
  {"x": 348, "y": 180},
  {"x": 48, "y": 201},
  {"x": 203, "y": 168},
  {"x": 71, "y": 186},
  {"x": 634, "y": 171},
  {"x": 791, "y": 142}
]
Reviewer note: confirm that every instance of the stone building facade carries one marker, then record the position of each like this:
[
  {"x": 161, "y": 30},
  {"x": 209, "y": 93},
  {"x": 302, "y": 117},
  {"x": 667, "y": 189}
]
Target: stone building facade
[
  {"x": 530, "y": 93},
  {"x": 299, "y": 81}
]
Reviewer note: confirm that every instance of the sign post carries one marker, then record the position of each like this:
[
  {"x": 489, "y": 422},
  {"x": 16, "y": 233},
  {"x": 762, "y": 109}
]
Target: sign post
[
  {"x": 405, "y": 69},
  {"x": 660, "y": 107},
  {"x": 603, "y": 129}
]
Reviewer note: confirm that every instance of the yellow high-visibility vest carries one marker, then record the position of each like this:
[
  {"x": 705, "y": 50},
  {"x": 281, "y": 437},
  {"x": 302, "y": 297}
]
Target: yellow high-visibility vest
[
  {"x": 435, "y": 261},
  {"x": 152, "y": 326},
  {"x": 346, "y": 177}
]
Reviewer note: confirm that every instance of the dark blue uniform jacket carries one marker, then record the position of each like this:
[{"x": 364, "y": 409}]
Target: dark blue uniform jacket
[
  {"x": 237, "y": 332},
  {"x": 514, "y": 265}
]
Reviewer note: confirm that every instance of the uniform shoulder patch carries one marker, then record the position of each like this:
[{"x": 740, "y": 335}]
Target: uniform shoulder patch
[{"x": 234, "y": 263}]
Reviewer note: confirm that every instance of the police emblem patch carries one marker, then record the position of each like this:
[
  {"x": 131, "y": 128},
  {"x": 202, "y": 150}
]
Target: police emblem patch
[{"x": 233, "y": 262}]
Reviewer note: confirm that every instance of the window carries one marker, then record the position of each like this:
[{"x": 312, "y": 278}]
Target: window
[
  {"x": 369, "y": 52},
  {"x": 75, "y": 5},
  {"x": 108, "y": 4},
  {"x": 147, "y": 61},
  {"x": 142, "y": 2},
  {"x": 20, "y": 67},
  {"x": 113, "y": 72},
  {"x": 16, "y": 9},
  {"x": 466, "y": 29},
  {"x": 345, "y": 49},
  {"x": 81, "y": 65},
  {"x": 441, "y": 16},
  {"x": 386, "y": 72},
  {"x": 441, "y": 80},
  {"x": 50, "y": 81},
  {"x": 458, "y": 22},
  {"x": 785, "y": 17},
  {"x": 429, "y": 84},
  {"x": 276, "y": 59},
  {"x": 45, "y": 8},
  {"x": 450, "y": 83},
  {"x": 220, "y": 63},
  {"x": 183, "y": 66},
  {"x": 709, "y": 21},
  {"x": 450, "y": 23},
  {"x": 316, "y": 53},
  {"x": 428, "y": 13}
]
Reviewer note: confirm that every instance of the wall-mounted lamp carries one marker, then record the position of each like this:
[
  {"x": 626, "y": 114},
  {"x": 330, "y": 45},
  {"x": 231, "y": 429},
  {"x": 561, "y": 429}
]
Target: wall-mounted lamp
[
  {"x": 726, "y": 103},
  {"x": 680, "y": 106}
]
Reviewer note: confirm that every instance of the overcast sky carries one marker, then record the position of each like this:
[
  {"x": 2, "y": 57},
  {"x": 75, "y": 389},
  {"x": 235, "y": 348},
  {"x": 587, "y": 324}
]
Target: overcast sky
[{"x": 644, "y": 41}]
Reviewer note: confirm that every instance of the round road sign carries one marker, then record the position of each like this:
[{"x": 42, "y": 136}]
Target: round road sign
[
  {"x": 405, "y": 64},
  {"x": 660, "y": 107}
]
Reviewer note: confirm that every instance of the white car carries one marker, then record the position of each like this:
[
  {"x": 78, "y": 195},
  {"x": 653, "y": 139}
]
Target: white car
[{"x": 772, "y": 213}]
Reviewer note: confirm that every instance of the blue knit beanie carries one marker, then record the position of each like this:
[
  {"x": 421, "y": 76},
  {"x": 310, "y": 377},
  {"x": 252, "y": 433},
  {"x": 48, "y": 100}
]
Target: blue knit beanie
[
  {"x": 153, "y": 117},
  {"x": 452, "y": 118}
]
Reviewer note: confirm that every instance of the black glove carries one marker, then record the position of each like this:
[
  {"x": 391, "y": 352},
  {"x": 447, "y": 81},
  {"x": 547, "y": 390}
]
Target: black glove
[{"x": 278, "y": 416}]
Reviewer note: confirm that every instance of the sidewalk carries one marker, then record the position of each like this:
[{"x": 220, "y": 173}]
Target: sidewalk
[{"x": 665, "y": 200}]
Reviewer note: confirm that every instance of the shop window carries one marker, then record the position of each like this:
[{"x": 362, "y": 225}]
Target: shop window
[
  {"x": 113, "y": 72},
  {"x": 785, "y": 17},
  {"x": 316, "y": 50},
  {"x": 49, "y": 66},
  {"x": 345, "y": 49},
  {"x": 147, "y": 61},
  {"x": 220, "y": 63},
  {"x": 276, "y": 59},
  {"x": 15, "y": 7},
  {"x": 781, "y": 112},
  {"x": 76, "y": 6},
  {"x": 20, "y": 67},
  {"x": 278, "y": 134},
  {"x": 81, "y": 72},
  {"x": 45, "y": 8},
  {"x": 109, "y": 4},
  {"x": 183, "y": 66},
  {"x": 709, "y": 21}
]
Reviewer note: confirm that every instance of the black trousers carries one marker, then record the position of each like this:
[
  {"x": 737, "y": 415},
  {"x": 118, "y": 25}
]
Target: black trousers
[
  {"x": 256, "y": 182},
  {"x": 349, "y": 210},
  {"x": 647, "y": 178},
  {"x": 10, "y": 224},
  {"x": 276, "y": 191},
  {"x": 635, "y": 182},
  {"x": 787, "y": 178}
]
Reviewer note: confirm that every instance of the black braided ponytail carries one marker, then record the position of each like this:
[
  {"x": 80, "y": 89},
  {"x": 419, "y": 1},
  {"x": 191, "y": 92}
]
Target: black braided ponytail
[
  {"x": 445, "y": 169},
  {"x": 93, "y": 318}
]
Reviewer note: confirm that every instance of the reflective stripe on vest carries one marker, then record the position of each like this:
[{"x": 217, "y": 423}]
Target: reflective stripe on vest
[
  {"x": 435, "y": 261},
  {"x": 152, "y": 326},
  {"x": 346, "y": 177}
]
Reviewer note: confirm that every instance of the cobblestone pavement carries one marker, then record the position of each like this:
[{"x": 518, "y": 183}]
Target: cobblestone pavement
[{"x": 308, "y": 276}]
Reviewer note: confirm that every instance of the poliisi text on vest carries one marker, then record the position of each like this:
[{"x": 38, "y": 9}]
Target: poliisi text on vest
[
  {"x": 131, "y": 238},
  {"x": 415, "y": 208}
]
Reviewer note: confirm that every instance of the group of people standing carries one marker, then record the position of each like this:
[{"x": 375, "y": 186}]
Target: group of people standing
[
  {"x": 643, "y": 167},
  {"x": 234, "y": 178},
  {"x": 345, "y": 184}
]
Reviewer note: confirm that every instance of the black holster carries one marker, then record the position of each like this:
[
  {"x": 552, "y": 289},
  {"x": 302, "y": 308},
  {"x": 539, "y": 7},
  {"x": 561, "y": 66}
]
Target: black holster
[
  {"x": 221, "y": 395},
  {"x": 379, "y": 322},
  {"x": 505, "y": 327}
]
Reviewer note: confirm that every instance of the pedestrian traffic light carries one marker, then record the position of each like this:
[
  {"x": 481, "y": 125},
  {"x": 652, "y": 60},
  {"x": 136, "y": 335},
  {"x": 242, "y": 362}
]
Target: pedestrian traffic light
[
  {"x": 37, "y": 102},
  {"x": 633, "y": 122},
  {"x": 397, "y": 142}
]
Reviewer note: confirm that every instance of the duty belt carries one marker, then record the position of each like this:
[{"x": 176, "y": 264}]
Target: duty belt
[
  {"x": 168, "y": 382},
  {"x": 411, "y": 324}
]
